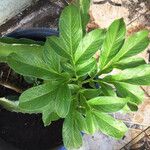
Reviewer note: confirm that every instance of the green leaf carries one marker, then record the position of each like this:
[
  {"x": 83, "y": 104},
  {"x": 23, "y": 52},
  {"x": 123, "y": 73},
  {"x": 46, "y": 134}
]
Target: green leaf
[
  {"x": 48, "y": 114},
  {"x": 86, "y": 67},
  {"x": 133, "y": 45},
  {"x": 66, "y": 66},
  {"x": 58, "y": 46},
  {"x": 129, "y": 63},
  {"x": 89, "y": 45},
  {"x": 107, "y": 103},
  {"x": 90, "y": 93},
  {"x": 70, "y": 28},
  {"x": 84, "y": 6},
  {"x": 113, "y": 42},
  {"x": 13, "y": 106},
  {"x": 63, "y": 100},
  {"x": 109, "y": 125},
  {"x": 139, "y": 75},
  {"x": 51, "y": 57},
  {"x": 9, "y": 105},
  {"x": 91, "y": 122},
  {"x": 107, "y": 89},
  {"x": 10, "y": 40},
  {"x": 37, "y": 98},
  {"x": 32, "y": 65},
  {"x": 72, "y": 137},
  {"x": 132, "y": 106},
  {"x": 134, "y": 92},
  {"x": 7, "y": 49},
  {"x": 80, "y": 121},
  {"x": 74, "y": 88}
]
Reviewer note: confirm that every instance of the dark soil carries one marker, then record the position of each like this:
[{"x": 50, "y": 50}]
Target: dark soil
[{"x": 27, "y": 131}]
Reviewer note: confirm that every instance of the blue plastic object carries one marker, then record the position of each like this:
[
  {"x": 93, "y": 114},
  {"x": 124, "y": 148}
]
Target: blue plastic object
[{"x": 38, "y": 34}]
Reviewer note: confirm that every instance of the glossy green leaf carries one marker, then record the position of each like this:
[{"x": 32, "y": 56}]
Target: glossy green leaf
[
  {"x": 107, "y": 103},
  {"x": 37, "y": 97},
  {"x": 113, "y": 42},
  {"x": 133, "y": 45},
  {"x": 70, "y": 28},
  {"x": 139, "y": 75},
  {"x": 89, "y": 45},
  {"x": 134, "y": 92},
  {"x": 110, "y": 126},
  {"x": 86, "y": 67},
  {"x": 72, "y": 137},
  {"x": 63, "y": 100},
  {"x": 32, "y": 65},
  {"x": 129, "y": 63}
]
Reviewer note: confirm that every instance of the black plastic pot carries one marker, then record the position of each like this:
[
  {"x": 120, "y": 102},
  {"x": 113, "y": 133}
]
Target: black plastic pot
[{"x": 27, "y": 131}]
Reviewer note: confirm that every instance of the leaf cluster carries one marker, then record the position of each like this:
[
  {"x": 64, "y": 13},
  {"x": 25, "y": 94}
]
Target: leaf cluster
[{"x": 76, "y": 86}]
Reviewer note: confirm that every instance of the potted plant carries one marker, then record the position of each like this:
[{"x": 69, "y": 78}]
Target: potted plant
[{"x": 75, "y": 87}]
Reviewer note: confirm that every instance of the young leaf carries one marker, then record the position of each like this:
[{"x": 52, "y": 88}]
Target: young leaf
[
  {"x": 73, "y": 88},
  {"x": 89, "y": 45},
  {"x": 86, "y": 67},
  {"x": 70, "y": 28},
  {"x": 63, "y": 100},
  {"x": 139, "y": 75},
  {"x": 134, "y": 92},
  {"x": 37, "y": 97},
  {"x": 72, "y": 137},
  {"x": 32, "y": 65},
  {"x": 107, "y": 103},
  {"x": 84, "y": 6},
  {"x": 129, "y": 63},
  {"x": 133, "y": 45},
  {"x": 113, "y": 42},
  {"x": 109, "y": 125}
]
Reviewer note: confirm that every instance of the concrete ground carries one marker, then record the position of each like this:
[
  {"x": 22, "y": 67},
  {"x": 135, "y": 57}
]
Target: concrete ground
[{"x": 137, "y": 16}]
